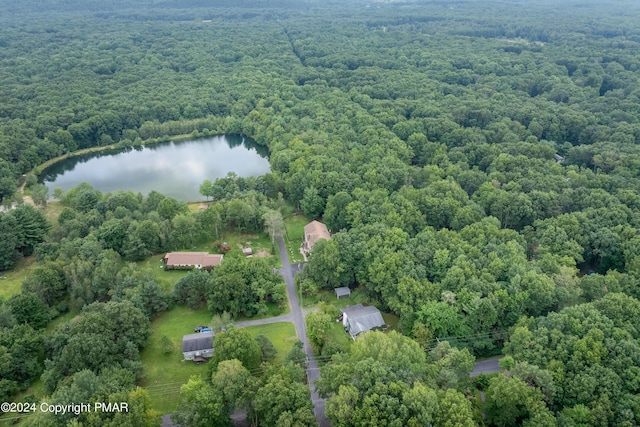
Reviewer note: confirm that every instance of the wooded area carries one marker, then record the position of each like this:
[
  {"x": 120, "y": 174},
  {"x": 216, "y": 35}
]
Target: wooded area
[{"x": 477, "y": 164}]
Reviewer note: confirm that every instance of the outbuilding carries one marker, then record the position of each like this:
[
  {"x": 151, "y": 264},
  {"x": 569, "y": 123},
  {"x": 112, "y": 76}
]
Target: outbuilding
[{"x": 342, "y": 292}]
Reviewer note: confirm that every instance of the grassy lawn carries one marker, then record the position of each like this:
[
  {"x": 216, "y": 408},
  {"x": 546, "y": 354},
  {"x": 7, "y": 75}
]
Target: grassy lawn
[
  {"x": 260, "y": 243},
  {"x": 294, "y": 225},
  {"x": 281, "y": 334},
  {"x": 329, "y": 297},
  {"x": 60, "y": 320},
  {"x": 52, "y": 211},
  {"x": 165, "y": 374},
  {"x": 165, "y": 278},
  {"x": 338, "y": 335},
  {"x": 11, "y": 281}
]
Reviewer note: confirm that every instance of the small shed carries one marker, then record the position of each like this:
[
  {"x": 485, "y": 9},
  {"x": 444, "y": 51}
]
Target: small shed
[
  {"x": 342, "y": 292},
  {"x": 558, "y": 158},
  {"x": 197, "y": 346},
  {"x": 247, "y": 251}
]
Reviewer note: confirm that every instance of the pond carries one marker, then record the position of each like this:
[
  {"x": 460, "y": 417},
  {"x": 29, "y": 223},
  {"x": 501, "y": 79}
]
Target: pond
[{"x": 175, "y": 169}]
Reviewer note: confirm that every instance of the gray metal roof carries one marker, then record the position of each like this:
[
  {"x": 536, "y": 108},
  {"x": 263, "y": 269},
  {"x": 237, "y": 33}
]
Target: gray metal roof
[
  {"x": 197, "y": 342},
  {"x": 361, "y": 318},
  {"x": 340, "y": 292}
]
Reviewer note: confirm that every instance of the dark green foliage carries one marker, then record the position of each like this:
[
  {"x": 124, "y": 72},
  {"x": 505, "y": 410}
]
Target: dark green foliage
[
  {"x": 266, "y": 348},
  {"x": 589, "y": 368},
  {"x": 104, "y": 335},
  {"x": 244, "y": 286},
  {"x": 8, "y": 241},
  {"x": 20, "y": 231},
  {"x": 166, "y": 345},
  {"x": 28, "y": 308},
  {"x": 193, "y": 289},
  {"x": 297, "y": 354},
  {"x": 20, "y": 358},
  {"x": 48, "y": 282}
]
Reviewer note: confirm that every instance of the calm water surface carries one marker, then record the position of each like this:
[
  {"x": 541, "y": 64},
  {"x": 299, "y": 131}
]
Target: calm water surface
[{"x": 175, "y": 169}]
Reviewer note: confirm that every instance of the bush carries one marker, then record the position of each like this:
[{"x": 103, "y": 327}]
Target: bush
[{"x": 166, "y": 345}]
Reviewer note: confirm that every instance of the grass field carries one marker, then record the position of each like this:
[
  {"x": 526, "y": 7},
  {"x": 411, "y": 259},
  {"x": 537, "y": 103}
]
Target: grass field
[
  {"x": 294, "y": 225},
  {"x": 282, "y": 335},
  {"x": 52, "y": 211},
  {"x": 165, "y": 374},
  {"x": 165, "y": 278},
  {"x": 329, "y": 297},
  {"x": 260, "y": 243},
  {"x": 60, "y": 320},
  {"x": 11, "y": 281}
]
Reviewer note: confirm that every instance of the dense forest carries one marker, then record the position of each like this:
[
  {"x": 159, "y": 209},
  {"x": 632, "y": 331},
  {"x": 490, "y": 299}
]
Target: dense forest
[{"x": 477, "y": 164}]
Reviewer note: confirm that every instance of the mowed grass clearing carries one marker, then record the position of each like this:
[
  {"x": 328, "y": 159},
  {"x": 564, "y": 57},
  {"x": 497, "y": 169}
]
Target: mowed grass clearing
[
  {"x": 166, "y": 373},
  {"x": 294, "y": 225},
  {"x": 11, "y": 281},
  {"x": 282, "y": 335}
]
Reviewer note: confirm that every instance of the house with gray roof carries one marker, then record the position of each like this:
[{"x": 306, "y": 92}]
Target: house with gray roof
[
  {"x": 198, "y": 347},
  {"x": 359, "y": 318}
]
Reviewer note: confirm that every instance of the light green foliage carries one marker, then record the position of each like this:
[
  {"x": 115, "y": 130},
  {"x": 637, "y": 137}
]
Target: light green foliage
[
  {"x": 200, "y": 405},
  {"x": 453, "y": 410},
  {"x": 234, "y": 382},
  {"x": 451, "y": 365},
  {"x": 236, "y": 343},
  {"x": 318, "y": 325},
  {"x": 273, "y": 224}
]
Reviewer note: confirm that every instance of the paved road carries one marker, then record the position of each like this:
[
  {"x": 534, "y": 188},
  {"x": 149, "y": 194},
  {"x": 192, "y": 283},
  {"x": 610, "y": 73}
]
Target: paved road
[
  {"x": 487, "y": 366},
  {"x": 313, "y": 373}
]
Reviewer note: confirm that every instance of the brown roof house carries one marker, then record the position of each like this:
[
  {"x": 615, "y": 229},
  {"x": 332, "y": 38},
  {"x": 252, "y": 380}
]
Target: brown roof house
[
  {"x": 189, "y": 260},
  {"x": 313, "y": 232},
  {"x": 198, "y": 347}
]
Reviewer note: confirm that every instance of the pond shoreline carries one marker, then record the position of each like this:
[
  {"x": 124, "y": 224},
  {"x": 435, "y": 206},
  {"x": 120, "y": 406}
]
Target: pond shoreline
[
  {"x": 175, "y": 166},
  {"x": 38, "y": 170}
]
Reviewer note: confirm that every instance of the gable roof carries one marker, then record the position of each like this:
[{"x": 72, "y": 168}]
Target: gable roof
[
  {"x": 342, "y": 291},
  {"x": 203, "y": 259},
  {"x": 315, "y": 231},
  {"x": 362, "y": 318},
  {"x": 197, "y": 342}
]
